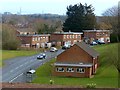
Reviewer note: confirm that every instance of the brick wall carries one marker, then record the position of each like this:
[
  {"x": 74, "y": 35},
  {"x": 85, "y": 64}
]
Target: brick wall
[
  {"x": 74, "y": 54},
  {"x": 87, "y": 72}
]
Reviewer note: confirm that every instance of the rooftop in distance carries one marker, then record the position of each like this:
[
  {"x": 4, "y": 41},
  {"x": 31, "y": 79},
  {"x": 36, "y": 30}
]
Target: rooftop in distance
[{"x": 96, "y": 30}]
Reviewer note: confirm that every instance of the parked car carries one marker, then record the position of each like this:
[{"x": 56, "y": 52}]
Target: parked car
[
  {"x": 41, "y": 56},
  {"x": 53, "y": 49},
  {"x": 93, "y": 43},
  {"x": 65, "y": 47},
  {"x": 101, "y": 42}
]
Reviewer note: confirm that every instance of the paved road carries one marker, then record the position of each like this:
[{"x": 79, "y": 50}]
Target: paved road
[{"x": 15, "y": 68}]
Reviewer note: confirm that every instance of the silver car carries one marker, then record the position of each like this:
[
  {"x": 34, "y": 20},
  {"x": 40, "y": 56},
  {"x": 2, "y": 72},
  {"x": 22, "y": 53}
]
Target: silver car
[{"x": 41, "y": 56}]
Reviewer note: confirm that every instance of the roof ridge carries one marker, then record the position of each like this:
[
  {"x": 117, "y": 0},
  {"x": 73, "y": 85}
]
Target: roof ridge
[{"x": 88, "y": 49}]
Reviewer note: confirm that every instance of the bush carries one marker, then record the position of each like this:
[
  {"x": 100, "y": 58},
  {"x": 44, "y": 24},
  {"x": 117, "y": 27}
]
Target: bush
[
  {"x": 92, "y": 85},
  {"x": 51, "y": 82},
  {"x": 113, "y": 38},
  {"x": 9, "y": 38}
]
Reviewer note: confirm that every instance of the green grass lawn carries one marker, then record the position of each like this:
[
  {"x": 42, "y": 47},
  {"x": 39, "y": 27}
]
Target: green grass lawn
[
  {"x": 106, "y": 76},
  {"x": 7, "y": 54}
]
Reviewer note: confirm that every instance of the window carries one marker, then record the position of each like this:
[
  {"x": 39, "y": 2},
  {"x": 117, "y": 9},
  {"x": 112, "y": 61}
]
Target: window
[
  {"x": 76, "y": 36},
  {"x": 33, "y": 39},
  {"x": 73, "y": 36},
  {"x": 60, "y": 69},
  {"x": 70, "y": 70},
  {"x": 38, "y": 38},
  {"x": 70, "y": 36},
  {"x": 97, "y": 34},
  {"x": 46, "y": 38},
  {"x": 64, "y": 36},
  {"x": 80, "y": 70},
  {"x": 67, "y": 36}
]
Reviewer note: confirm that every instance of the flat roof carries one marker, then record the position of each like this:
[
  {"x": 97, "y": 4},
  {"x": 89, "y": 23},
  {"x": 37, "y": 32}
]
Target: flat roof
[
  {"x": 68, "y": 33},
  {"x": 74, "y": 64},
  {"x": 96, "y": 30},
  {"x": 35, "y": 35}
]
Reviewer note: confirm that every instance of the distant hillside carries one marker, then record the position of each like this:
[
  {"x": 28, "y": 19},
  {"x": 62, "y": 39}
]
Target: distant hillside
[{"x": 33, "y": 20}]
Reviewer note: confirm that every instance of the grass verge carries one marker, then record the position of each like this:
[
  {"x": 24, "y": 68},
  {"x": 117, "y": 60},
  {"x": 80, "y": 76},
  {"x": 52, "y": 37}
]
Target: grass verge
[{"x": 106, "y": 76}]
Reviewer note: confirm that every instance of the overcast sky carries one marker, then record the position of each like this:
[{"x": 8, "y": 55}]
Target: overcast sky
[{"x": 52, "y": 6}]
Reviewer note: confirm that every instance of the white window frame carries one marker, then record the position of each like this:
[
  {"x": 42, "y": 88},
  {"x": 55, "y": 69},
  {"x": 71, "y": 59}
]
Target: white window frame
[
  {"x": 64, "y": 36},
  {"x": 79, "y": 36},
  {"x": 38, "y": 38},
  {"x": 70, "y": 69},
  {"x": 33, "y": 39},
  {"x": 76, "y": 36},
  {"x": 58, "y": 69},
  {"x": 73, "y": 36},
  {"x": 81, "y": 70},
  {"x": 67, "y": 36}
]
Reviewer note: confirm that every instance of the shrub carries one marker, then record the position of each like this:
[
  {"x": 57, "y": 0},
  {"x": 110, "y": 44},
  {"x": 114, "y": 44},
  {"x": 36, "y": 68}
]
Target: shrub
[
  {"x": 92, "y": 85},
  {"x": 9, "y": 38},
  {"x": 51, "y": 82},
  {"x": 113, "y": 37}
]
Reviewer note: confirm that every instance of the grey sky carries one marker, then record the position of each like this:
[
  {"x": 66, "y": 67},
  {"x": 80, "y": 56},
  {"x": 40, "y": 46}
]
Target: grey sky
[{"x": 52, "y": 6}]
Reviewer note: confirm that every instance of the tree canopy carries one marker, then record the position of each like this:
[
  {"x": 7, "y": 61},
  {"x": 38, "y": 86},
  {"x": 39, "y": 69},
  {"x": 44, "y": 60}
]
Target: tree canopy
[
  {"x": 112, "y": 16},
  {"x": 46, "y": 29},
  {"x": 9, "y": 38},
  {"x": 79, "y": 17}
]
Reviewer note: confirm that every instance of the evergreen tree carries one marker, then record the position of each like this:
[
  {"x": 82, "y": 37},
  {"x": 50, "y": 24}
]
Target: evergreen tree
[{"x": 79, "y": 17}]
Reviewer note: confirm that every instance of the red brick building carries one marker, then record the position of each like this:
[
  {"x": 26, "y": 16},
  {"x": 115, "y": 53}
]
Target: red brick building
[
  {"x": 78, "y": 61},
  {"x": 102, "y": 35},
  {"x": 34, "y": 40},
  {"x": 66, "y": 37}
]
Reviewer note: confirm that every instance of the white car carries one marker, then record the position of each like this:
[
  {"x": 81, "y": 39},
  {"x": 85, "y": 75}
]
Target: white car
[
  {"x": 53, "y": 49},
  {"x": 93, "y": 43},
  {"x": 41, "y": 56}
]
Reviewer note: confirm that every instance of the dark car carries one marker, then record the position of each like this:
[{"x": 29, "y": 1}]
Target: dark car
[{"x": 41, "y": 56}]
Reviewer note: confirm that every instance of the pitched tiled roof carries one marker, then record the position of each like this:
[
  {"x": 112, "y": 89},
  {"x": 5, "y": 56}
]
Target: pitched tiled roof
[{"x": 87, "y": 49}]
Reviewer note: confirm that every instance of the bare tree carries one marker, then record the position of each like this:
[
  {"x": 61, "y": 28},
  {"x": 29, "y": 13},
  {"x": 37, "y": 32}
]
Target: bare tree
[{"x": 111, "y": 16}]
